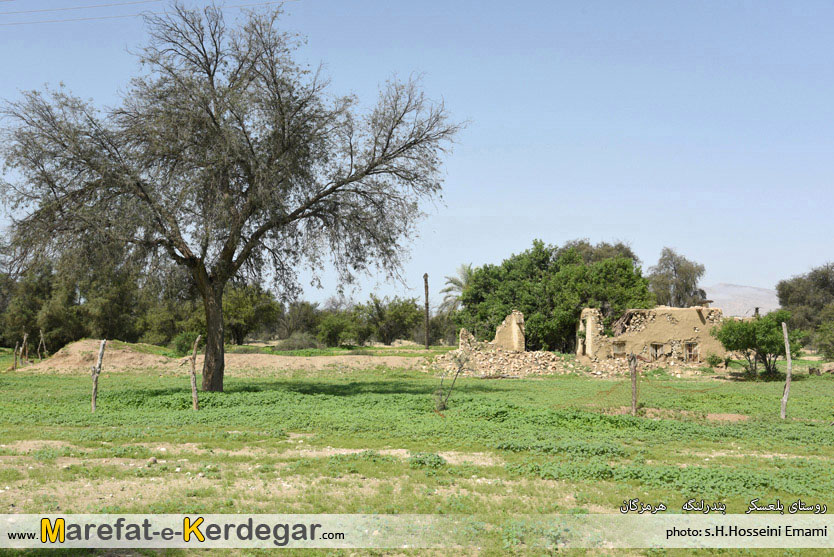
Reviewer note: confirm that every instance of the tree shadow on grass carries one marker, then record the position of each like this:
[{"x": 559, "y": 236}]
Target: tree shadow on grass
[
  {"x": 354, "y": 388},
  {"x": 744, "y": 377},
  {"x": 307, "y": 387}
]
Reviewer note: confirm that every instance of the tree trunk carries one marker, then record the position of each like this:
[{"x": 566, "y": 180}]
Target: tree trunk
[
  {"x": 214, "y": 363},
  {"x": 788, "y": 375},
  {"x": 194, "y": 400}
]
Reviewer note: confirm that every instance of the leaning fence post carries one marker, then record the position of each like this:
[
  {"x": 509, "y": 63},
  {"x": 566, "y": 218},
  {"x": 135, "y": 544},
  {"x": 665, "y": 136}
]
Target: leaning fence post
[
  {"x": 788, "y": 375},
  {"x": 16, "y": 346},
  {"x": 96, "y": 369},
  {"x": 632, "y": 365},
  {"x": 42, "y": 342},
  {"x": 24, "y": 348},
  {"x": 194, "y": 402}
]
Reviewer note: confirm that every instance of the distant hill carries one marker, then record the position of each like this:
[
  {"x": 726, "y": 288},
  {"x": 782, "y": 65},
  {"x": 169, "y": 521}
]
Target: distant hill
[{"x": 740, "y": 301}]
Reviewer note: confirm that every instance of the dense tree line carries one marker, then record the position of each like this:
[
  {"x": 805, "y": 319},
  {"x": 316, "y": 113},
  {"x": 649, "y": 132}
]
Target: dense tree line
[
  {"x": 551, "y": 285},
  {"x": 73, "y": 299}
]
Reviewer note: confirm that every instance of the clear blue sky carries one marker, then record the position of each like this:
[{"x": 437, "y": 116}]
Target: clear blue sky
[{"x": 705, "y": 126}]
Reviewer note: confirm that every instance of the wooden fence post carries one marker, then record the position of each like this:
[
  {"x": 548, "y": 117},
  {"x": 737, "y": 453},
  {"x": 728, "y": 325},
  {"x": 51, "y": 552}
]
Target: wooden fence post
[
  {"x": 194, "y": 402},
  {"x": 24, "y": 348},
  {"x": 96, "y": 369},
  {"x": 426, "y": 283},
  {"x": 42, "y": 342},
  {"x": 16, "y": 346},
  {"x": 632, "y": 365},
  {"x": 788, "y": 375}
]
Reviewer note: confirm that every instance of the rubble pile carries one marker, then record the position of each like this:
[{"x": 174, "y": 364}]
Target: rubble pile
[
  {"x": 484, "y": 359},
  {"x": 497, "y": 362}
]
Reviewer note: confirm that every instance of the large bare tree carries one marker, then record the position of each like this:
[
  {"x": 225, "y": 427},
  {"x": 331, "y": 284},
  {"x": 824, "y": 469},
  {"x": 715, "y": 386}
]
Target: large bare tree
[{"x": 228, "y": 157}]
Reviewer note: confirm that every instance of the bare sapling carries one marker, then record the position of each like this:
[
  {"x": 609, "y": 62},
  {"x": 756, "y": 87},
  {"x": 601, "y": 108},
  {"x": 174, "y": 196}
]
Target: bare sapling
[
  {"x": 788, "y": 375},
  {"x": 461, "y": 359},
  {"x": 42, "y": 344},
  {"x": 96, "y": 371},
  {"x": 426, "y": 284},
  {"x": 195, "y": 404}
]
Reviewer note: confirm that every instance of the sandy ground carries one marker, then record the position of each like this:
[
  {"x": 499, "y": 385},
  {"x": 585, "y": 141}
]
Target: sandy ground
[{"x": 79, "y": 356}]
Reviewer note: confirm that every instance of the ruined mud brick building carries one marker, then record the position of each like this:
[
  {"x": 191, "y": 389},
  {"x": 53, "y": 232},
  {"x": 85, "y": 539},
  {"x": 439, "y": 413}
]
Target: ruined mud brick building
[
  {"x": 658, "y": 334},
  {"x": 510, "y": 333}
]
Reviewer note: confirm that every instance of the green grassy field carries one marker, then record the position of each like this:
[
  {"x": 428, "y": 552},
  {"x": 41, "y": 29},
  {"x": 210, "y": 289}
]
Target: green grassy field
[{"x": 371, "y": 442}]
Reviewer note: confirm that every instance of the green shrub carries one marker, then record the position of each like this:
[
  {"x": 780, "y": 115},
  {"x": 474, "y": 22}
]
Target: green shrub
[
  {"x": 335, "y": 329},
  {"x": 183, "y": 343},
  {"x": 426, "y": 460},
  {"x": 760, "y": 340},
  {"x": 714, "y": 360}
]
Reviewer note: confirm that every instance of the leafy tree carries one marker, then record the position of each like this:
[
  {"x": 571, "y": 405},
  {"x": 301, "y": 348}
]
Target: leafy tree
[
  {"x": 825, "y": 339},
  {"x": 7, "y": 284},
  {"x": 171, "y": 306},
  {"x": 300, "y": 317},
  {"x": 390, "y": 319},
  {"x": 674, "y": 280},
  {"x": 61, "y": 317},
  {"x": 28, "y": 296},
  {"x": 806, "y": 296},
  {"x": 336, "y": 328},
  {"x": 454, "y": 288},
  {"x": 229, "y": 158},
  {"x": 591, "y": 253},
  {"x": 247, "y": 308},
  {"x": 551, "y": 286},
  {"x": 761, "y": 340},
  {"x": 111, "y": 300},
  {"x": 442, "y": 329}
]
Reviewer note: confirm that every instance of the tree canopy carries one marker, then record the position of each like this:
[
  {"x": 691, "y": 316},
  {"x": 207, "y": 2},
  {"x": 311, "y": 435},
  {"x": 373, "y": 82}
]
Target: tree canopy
[
  {"x": 674, "y": 280},
  {"x": 760, "y": 340},
  {"x": 808, "y": 296},
  {"x": 227, "y": 157},
  {"x": 551, "y": 285}
]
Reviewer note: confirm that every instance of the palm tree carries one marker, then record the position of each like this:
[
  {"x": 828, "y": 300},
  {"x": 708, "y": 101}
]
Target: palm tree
[{"x": 455, "y": 287}]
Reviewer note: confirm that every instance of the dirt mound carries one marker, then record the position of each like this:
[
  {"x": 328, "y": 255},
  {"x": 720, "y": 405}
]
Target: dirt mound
[{"x": 81, "y": 356}]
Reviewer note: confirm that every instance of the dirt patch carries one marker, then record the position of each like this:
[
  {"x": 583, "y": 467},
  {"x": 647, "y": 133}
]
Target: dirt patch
[
  {"x": 728, "y": 417},
  {"x": 665, "y": 413},
  {"x": 30, "y": 445},
  {"x": 269, "y": 362},
  {"x": 478, "y": 459},
  {"x": 740, "y": 454},
  {"x": 325, "y": 452},
  {"x": 79, "y": 356}
]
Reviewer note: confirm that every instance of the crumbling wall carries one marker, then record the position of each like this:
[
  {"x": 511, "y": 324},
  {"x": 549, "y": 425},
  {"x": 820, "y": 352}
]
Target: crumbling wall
[
  {"x": 659, "y": 334},
  {"x": 510, "y": 333}
]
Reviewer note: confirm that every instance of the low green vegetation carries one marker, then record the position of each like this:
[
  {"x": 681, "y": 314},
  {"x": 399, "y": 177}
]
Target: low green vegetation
[
  {"x": 711, "y": 438},
  {"x": 355, "y": 441}
]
